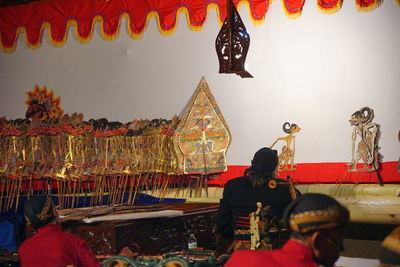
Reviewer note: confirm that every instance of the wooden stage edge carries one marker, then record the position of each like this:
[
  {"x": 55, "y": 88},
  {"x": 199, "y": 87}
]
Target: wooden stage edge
[{"x": 368, "y": 203}]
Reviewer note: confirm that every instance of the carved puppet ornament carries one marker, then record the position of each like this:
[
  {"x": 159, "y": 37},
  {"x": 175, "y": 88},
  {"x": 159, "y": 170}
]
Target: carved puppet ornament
[
  {"x": 363, "y": 141},
  {"x": 43, "y": 105},
  {"x": 232, "y": 43},
  {"x": 202, "y": 137},
  {"x": 286, "y": 157}
]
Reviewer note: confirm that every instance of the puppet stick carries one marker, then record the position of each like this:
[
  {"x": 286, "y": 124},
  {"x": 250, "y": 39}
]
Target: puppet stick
[
  {"x": 3, "y": 189},
  {"x": 101, "y": 191},
  {"x": 68, "y": 193},
  {"x": 112, "y": 184},
  {"x": 124, "y": 188},
  {"x": 120, "y": 185},
  {"x": 7, "y": 191},
  {"x": 151, "y": 182},
  {"x": 131, "y": 179},
  {"x": 176, "y": 186},
  {"x": 65, "y": 193},
  {"x": 75, "y": 197},
  {"x": 180, "y": 185},
  {"x": 13, "y": 192},
  {"x": 73, "y": 194},
  {"x": 130, "y": 201},
  {"x": 64, "y": 185},
  {"x": 10, "y": 194},
  {"x": 59, "y": 193},
  {"x": 137, "y": 187},
  {"x": 115, "y": 184},
  {"x": 115, "y": 188},
  {"x": 80, "y": 191},
  {"x": 18, "y": 193},
  {"x": 292, "y": 190},
  {"x": 92, "y": 192},
  {"x": 95, "y": 195},
  {"x": 86, "y": 191},
  {"x": 7, "y": 195},
  {"x": 156, "y": 183},
  {"x": 109, "y": 190},
  {"x": 95, "y": 192},
  {"x": 164, "y": 190},
  {"x": 98, "y": 189},
  {"x": 3, "y": 193},
  {"x": 30, "y": 188},
  {"x": 109, "y": 182}
]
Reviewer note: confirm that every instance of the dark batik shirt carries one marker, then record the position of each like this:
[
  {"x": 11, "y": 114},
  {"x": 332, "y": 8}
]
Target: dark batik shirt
[{"x": 240, "y": 199}]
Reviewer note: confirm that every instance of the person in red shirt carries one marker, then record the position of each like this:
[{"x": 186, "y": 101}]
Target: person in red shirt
[
  {"x": 317, "y": 222},
  {"x": 50, "y": 246}
]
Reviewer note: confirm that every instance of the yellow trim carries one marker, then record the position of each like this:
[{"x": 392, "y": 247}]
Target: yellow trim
[
  {"x": 133, "y": 35},
  {"x": 252, "y": 18},
  {"x": 332, "y": 10},
  {"x": 214, "y": 6},
  {"x": 368, "y": 8},
  {"x": 287, "y": 13},
  {"x": 162, "y": 31},
  {"x": 397, "y": 2}
]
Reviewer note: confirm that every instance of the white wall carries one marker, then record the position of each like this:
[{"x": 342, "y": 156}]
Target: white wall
[{"x": 314, "y": 71}]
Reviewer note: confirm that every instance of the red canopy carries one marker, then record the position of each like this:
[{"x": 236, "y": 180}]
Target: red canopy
[{"x": 59, "y": 15}]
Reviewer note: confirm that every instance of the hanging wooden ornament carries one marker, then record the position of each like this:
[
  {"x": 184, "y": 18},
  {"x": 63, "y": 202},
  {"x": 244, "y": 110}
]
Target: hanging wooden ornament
[{"x": 232, "y": 43}]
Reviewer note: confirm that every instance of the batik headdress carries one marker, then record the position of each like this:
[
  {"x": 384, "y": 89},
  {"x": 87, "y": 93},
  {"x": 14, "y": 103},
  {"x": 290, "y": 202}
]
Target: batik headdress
[
  {"x": 311, "y": 212},
  {"x": 39, "y": 211}
]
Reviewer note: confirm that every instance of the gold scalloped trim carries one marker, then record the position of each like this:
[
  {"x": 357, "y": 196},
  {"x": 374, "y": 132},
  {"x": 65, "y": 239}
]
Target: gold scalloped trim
[
  {"x": 332, "y": 10},
  {"x": 132, "y": 34},
  {"x": 369, "y": 8}
]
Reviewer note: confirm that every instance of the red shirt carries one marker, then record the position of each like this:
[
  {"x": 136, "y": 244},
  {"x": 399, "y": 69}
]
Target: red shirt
[
  {"x": 52, "y": 247},
  {"x": 293, "y": 253}
]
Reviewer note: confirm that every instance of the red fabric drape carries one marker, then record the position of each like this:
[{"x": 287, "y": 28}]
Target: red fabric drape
[
  {"x": 60, "y": 14},
  {"x": 323, "y": 173}
]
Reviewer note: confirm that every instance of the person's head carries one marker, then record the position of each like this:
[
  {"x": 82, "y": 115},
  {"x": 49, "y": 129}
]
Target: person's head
[
  {"x": 389, "y": 253},
  {"x": 40, "y": 211},
  {"x": 318, "y": 221},
  {"x": 263, "y": 166}
]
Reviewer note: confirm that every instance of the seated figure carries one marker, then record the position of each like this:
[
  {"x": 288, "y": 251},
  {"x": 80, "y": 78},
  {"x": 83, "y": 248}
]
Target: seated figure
[
  {"x": 50, "y": 246},
  {"x": 317, "y": 223},
  {"x": 241, "y": 195}
]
